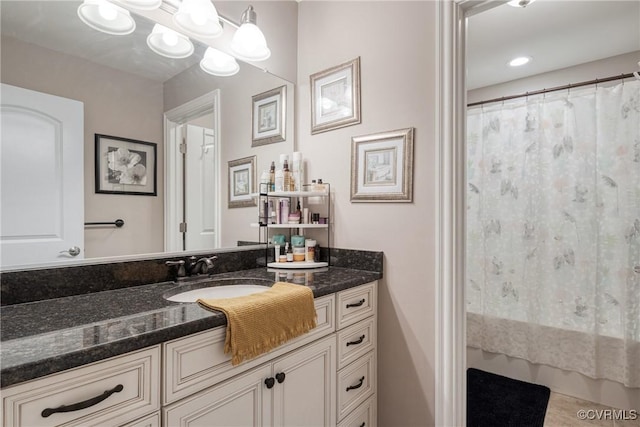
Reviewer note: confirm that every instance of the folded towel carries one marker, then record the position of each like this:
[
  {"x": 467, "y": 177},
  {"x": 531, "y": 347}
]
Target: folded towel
[{"x": 259, "y": 322}]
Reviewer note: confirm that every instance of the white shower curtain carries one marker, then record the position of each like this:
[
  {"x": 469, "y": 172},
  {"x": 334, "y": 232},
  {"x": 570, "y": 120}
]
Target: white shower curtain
[{"x": 553, "y": 230}]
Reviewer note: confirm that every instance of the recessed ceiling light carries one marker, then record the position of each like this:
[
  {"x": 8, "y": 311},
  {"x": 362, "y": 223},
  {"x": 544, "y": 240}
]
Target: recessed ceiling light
[
  {"x": 521, "y": 60},
  {"x": 520, "y": 3}
]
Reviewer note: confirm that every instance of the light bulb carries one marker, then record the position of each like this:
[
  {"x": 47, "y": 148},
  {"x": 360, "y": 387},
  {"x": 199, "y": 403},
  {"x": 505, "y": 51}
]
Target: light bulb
[
  {"x": 521, "y": 60},
  {"x": 107, "y": 11},
  {"x": 170, "y": 38},
  {"x": 198, "y": 17}
]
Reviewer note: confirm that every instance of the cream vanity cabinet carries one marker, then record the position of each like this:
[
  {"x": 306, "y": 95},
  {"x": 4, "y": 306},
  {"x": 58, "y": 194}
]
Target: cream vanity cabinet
[
  {"x": 324, "y": 378},
  {"x": 117, "y": 391}
]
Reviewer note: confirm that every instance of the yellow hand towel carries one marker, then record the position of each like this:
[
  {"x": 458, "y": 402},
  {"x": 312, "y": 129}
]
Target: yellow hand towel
[{"x": 260, "y": 322}]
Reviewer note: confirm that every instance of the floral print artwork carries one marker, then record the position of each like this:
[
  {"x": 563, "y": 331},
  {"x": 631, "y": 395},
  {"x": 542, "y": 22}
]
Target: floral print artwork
[
  {"x": 553, "y": 230},
  {"x": 126, "y": 166}
]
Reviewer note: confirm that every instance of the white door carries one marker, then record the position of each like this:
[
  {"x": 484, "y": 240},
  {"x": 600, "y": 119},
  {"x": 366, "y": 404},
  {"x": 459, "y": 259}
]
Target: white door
[
  {"x": 201, "y": 188},
  {"x": 42, "y": 176}
]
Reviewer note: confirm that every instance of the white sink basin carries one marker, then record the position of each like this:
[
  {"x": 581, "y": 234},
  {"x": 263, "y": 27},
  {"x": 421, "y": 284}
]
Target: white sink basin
[{"x": 217, "y": 289}]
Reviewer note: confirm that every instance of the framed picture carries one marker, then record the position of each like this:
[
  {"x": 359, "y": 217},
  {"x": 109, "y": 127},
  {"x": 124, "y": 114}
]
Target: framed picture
[
  {"x": 125, "y": 166},
  {"x": 242, "y": 182},
  {"x": 335, "y": 97},
  {"x": 382, "y": 167},
  {"x": 269, "y": 117}
]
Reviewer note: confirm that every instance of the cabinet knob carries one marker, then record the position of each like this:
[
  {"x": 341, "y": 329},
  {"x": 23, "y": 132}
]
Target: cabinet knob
[
  {"x": 269, "y": 382},
  {"x": 280, "y": 377}
]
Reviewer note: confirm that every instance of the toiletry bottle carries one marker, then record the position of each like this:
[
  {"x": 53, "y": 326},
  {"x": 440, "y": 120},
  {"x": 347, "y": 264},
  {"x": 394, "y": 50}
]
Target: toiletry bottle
[
  {"x": 279, "y": 180},
  {"x": 286, "y": 176},
  {"x": 296, "y": 171},
  {"x": 284, "y": 211},
  {"x": 289, "y": 252},
  {"x": 272, "y": 213},
  {"x": 272, "y": 177},
  {"x": 265, "y": 183},
  {"x": 316, "y": 253}
]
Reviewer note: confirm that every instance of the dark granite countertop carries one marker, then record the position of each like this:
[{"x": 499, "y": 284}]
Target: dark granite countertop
[{"x": 44, "y": 337}]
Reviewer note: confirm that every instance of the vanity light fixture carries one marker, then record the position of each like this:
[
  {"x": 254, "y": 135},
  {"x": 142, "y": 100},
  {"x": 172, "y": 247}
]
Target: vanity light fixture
[
  {"x": 142, "y": 4},
  {"x": 520, "y": 3},
  {"x": 107, "y": 17},
  {"x": 521, "y": 60},
  {"x": 166, "y": 42},
  {"x": 199, "y": 18},
  {"x": 219, "y": 63},
  {"x": 248, "y": 43}
]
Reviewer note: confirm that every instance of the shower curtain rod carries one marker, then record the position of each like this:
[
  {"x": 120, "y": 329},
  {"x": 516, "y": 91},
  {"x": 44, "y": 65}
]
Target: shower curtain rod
[{"x": 554, "y": 89}]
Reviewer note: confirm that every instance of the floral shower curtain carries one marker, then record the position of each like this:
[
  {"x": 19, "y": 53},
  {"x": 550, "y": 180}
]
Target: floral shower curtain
[{"x": 553, "y": 230}]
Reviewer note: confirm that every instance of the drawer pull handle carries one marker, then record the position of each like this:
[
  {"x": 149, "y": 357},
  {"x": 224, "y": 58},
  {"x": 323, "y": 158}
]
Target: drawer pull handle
[
  {"x": 356, "y": 342},
  {"x": 353, "y": 387},
  {"x": 363, "y": 424},
  {"x": 269, "y": 382},
  {"x": 356, "y": 304},
  {"x": 82, "y": 405},
  {"x": 280, "y": 377}
]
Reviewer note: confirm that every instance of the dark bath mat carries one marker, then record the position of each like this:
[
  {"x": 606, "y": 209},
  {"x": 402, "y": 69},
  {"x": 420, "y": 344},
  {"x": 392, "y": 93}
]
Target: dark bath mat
[{"x": 497, "y": 401}]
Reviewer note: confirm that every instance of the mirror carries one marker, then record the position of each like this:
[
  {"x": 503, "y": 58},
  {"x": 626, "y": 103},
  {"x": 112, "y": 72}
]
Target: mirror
[{"x": 126, "y": 90}]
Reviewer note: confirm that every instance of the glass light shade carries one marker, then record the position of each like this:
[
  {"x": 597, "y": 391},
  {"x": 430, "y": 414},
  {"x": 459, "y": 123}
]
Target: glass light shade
[
  {"x": 199, "y": 18},
  {"x": 166, "y": 42},
  {"x": 249, "y": 44},
  {"x": 219, "y": 63},
  {"x": 143, "y": 4},
  {"x": 106, "y": 17}
]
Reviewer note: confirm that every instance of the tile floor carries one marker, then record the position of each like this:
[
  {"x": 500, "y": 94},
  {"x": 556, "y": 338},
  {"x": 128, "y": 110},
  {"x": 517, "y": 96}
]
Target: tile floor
[{"x": 562, "y": 411}]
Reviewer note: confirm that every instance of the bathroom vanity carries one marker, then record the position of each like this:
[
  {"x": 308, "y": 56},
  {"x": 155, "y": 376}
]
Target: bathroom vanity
[{"x": 130, "y": 357}]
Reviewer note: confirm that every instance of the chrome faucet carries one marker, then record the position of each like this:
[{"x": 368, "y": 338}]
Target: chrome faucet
[
  {"x": 193, "y": 266},
  {"x": 201, "y": 266}
]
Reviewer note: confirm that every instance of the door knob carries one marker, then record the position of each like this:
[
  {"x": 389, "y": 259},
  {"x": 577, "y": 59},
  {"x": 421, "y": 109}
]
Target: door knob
[{"x": 73, "y": 251}]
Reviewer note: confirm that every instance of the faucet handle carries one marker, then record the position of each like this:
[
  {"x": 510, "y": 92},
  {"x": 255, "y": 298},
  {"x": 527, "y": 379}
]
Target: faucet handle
[
  {"x": 207, "y": 263},
  {"x": 180, "y": 264}
]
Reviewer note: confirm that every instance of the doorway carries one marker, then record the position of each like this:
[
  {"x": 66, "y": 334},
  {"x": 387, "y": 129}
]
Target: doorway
[{"x": 192, "y": 147}]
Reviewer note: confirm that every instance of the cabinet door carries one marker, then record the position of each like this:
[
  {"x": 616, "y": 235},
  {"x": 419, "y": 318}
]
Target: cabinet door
[
  {"x": 306, "y": 396},
  {"x": 244, "y": 401}
]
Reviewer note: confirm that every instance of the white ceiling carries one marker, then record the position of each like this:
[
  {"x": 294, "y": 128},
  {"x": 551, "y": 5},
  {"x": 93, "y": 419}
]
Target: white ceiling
[{"x": 555, "y": 33}]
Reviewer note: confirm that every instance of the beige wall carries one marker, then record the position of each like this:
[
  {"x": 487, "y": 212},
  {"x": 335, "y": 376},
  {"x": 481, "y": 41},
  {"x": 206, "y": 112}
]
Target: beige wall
[
  {"x": 131, "y": 109},
  {"x": 396, "y": 44},
  {"x": 571, "y": 383}
]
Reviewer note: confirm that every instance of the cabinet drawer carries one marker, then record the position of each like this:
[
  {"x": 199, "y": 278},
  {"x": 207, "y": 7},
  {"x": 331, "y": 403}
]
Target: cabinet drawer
[
  {"x": 356, "y": 304},
  {"x": 355, "y": 341},
  {"x": 356, "y": 383},
  {"x": 152, "y": 420},
  {"x": 364, "y": 415},
  {"x": 124, "y": 388},
  {"x": 198, "y": 361}
]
